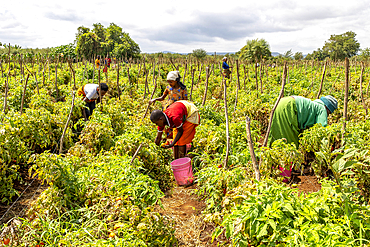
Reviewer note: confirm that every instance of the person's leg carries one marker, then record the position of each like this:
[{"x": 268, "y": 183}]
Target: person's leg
[
  {"x": 181, "y": 151},
  {"x": 92, "y": 106},
  {"x": 175, "y": 152}
]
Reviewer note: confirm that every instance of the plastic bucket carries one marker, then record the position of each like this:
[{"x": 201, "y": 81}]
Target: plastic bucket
[{"x": 182, "y": 170}]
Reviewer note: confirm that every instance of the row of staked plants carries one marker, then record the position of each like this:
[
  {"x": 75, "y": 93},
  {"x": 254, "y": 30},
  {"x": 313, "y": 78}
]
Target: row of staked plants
[{"x": 98, "y": 195}]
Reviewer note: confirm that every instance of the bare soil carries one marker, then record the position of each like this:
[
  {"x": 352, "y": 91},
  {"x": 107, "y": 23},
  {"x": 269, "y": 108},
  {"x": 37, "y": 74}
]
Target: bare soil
[
  {"x": 30, "y": 194},
  {"x": 185, "y": 208}
]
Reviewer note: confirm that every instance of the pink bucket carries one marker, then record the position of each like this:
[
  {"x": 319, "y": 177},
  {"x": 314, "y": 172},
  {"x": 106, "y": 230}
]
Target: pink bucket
[{"x": 182, "y": 170}]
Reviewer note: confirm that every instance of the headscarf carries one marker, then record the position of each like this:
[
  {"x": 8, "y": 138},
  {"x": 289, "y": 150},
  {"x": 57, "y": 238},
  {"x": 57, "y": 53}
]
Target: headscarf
[
  {"x": 175, "y": 76},
  {"x": 330, "y": 102}
]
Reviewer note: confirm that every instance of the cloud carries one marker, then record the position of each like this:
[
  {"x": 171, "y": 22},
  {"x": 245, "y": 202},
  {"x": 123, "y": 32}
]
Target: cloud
[
  {"x": 207, "y": 27},
  {"x": 68, "y": 16}
]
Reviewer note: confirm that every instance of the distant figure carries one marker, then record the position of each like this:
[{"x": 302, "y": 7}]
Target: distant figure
[
  {"x": 97, "y": 62},
  {"x": 226, "y": 68}
]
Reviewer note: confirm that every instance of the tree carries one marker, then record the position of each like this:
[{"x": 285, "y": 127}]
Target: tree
[
  {"x": 364, "y": 54},
  {"x": 341, "y": 46},
  {"x": 199, "y": 54},
  {"x": 67, "y": 50},
  {"x": 101, "y": 41},
  {"x": 255, "y": 50},
  {"x": 298, "y": 56},
  {"x": 87, "y": 45}
]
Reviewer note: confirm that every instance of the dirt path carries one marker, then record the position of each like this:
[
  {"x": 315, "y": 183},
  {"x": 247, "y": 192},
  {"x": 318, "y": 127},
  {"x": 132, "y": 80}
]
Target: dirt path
[
  {"x": 32, "y": 189},
  {"x": 185, "y": 209}
]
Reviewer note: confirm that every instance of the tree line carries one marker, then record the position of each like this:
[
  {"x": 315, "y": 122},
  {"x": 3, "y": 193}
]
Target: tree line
[{"x": 113, "y": 41}]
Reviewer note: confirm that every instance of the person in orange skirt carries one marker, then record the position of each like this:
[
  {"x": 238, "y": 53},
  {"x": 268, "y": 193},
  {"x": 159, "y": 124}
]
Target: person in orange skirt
[{"x": 183, "y": 116}]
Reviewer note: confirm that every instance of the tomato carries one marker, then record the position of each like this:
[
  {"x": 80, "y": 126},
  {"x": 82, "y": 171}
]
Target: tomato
[
  {"x": 112, "y": 235},
  {"x": 6, "y": 241},
  {"x": 118, "y": 199},
  {"x": 220, "y": 166},
  {"x": 42, "y": 244}
]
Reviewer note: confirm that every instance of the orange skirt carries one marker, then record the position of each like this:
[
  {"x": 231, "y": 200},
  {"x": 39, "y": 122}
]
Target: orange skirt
[{"x": 188, "y": 134}]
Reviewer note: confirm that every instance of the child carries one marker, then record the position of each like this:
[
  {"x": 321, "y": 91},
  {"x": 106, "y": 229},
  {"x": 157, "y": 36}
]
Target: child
[
  {"x": 90, "y": 93},
  {"x": 175, "y": 91}
]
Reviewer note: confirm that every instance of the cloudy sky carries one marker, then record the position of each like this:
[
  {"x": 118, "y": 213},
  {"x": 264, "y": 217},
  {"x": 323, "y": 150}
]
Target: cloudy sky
[{"x": 182, "y": 26}]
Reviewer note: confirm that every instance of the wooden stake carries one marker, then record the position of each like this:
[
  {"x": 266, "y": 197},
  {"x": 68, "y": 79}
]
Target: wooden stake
[
  {"x": 66, "y": 126},
  {"x": 227, "y": 125},
  {"x": 24, "y": 93},
  {"x": 362, "y": 95},
  {"x": 206, "y": 86},
  {"x": 346, "y": 86},
  {"x": 6, "y": 92},
  {"x": 56, "y": 78},
  {"x": 322, "y": 80},
  {"x": 251, "y": 149},
  {"x": 276, "y": 104},
  {"x": 192, "y": 83}
]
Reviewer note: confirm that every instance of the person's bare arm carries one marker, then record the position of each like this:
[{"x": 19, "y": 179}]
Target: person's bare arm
[{"x": 180, "y": 131}]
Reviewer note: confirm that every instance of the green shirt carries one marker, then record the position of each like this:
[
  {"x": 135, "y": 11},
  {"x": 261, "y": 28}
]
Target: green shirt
[{"x": 310, "y": 112}]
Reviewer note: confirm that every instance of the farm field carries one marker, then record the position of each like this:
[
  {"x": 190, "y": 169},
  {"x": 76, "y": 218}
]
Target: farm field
[{"x": 104, "y": 182}]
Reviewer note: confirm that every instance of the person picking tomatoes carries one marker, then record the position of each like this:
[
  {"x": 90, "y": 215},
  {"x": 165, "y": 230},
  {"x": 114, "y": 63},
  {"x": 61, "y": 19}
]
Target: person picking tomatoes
[
  {"x": 175, "y": 91},
  {"x": 226, "y": 68},
  {"x": 295, "y": 114},
  {"x": 90, "y": 94},
  {"x": 183, "y": 116}
]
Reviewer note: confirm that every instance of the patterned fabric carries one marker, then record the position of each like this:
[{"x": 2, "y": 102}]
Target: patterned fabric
[
  {"x": 97, "y": 63},
  {"x": 174, "y": 95},
  {"x": 227, "y": 73}
]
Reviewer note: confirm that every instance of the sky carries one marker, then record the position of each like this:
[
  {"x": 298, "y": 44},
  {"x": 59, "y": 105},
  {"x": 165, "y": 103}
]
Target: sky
[{"x": 183, "y": 26}]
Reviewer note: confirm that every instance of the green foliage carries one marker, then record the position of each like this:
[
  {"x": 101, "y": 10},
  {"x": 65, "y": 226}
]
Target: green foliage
[
  {"x": 255, "y": 50},
  {"x": 269, "y": 214},
  {"x": 340, "y": 46},
  {"x": 103, "y": 41},
  {"x": 199, "y": 54},
  {"x": 69, "y": 51}
]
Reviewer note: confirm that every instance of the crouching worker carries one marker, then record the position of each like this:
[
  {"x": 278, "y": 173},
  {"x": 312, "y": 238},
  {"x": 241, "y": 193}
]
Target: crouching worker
[
  {"x": 294, "y": 114},
  {"x": 90, "y": 94},
  {"x": 183, "y": 117}
]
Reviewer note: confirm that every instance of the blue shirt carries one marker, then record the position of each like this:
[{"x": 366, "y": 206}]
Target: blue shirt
[{"x": 225, "y": 65}]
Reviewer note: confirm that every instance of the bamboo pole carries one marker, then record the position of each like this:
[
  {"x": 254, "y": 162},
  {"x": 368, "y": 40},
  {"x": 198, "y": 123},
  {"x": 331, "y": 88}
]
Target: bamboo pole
[
  {"x": 276, "y": 104},
  {"x": 346, "y": 86},
  {"x": 251, "y": 149}
]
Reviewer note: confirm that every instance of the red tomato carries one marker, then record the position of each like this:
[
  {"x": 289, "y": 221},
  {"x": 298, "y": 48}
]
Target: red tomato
[
  {"x": 6, "y": 241},
  {"x": 219, "y": 166}
]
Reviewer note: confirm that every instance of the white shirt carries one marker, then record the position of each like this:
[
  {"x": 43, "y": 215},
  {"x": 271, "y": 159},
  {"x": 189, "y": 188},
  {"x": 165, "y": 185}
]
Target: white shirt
[{"x": 91, "y": 91}]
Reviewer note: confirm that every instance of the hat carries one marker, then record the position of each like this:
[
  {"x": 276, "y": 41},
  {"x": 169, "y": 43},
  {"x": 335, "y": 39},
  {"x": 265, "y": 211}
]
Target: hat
[
  {"x": 330, "y": 102},
  {"x": 173, "y": 75},
  {"x": 224, "y": 58}
]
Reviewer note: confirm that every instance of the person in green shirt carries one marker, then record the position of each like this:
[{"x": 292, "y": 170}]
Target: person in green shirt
[{"x": 295, "y": 114}]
